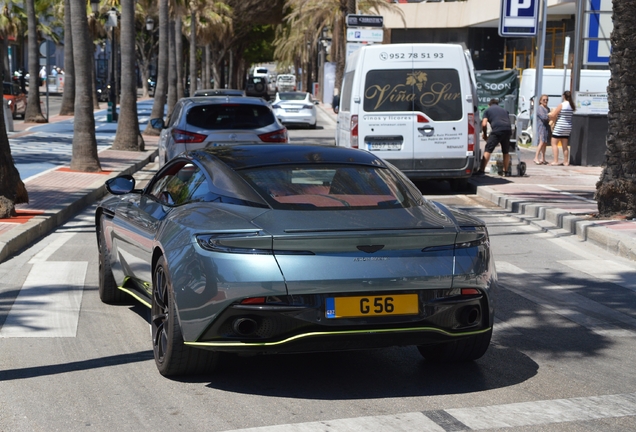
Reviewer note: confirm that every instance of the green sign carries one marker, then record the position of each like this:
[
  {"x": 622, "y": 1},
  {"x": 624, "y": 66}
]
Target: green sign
[{"x": 497, "y": 84}]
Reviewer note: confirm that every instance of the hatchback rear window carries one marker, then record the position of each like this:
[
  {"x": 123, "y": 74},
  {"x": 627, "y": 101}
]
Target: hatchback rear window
[
  {"x": 435, "y": 92},
  {"x": 230, "y": 116},
  {"x": 320, "y": 187}
]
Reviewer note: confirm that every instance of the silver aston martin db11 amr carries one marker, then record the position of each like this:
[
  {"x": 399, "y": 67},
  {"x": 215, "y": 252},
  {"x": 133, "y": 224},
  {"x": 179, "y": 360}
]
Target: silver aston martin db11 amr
[{"x": 285, "y": 248}]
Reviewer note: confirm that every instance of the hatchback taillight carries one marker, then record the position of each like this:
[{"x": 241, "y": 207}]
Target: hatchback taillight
[
  {"x": 354, "y": 131},
  {"x": 183, "y": 137},
  {"x": 279, "y": 136}
]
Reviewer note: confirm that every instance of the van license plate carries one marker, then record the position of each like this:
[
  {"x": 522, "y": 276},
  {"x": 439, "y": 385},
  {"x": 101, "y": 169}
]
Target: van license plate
[
  {"x": 372, "y": 305},
  {"x": 384, "y": 146}
]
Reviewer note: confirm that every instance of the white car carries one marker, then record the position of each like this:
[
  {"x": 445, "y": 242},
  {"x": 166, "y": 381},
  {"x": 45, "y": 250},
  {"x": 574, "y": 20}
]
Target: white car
[
  {"x": 296, "y": 108},
  {"x": 213, "y": 121}
]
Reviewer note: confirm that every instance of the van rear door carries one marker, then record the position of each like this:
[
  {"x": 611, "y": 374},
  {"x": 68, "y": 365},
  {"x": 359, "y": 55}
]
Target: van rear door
[
  {"x": 387, "y": 123},
  {"x": 441, "y": 131}
]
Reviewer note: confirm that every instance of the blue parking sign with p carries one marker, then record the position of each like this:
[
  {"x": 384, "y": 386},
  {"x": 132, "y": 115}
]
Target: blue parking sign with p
[{"x": 519, "y": 18}]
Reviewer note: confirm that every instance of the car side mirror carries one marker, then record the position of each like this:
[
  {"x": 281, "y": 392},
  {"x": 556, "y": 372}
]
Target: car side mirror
[
  {"x": 157, "y": 123},
  {"x": 120, "y": 185}
]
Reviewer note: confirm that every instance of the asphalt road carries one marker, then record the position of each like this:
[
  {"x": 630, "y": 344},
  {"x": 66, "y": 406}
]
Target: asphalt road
[{"x": 562, "y": 357}]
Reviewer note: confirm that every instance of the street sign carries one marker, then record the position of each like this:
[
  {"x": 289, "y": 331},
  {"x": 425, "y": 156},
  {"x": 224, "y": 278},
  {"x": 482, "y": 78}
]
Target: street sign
[
  {"x": 365, "y": 21},
  {"x": 519, "y": 18},
  {"x": 598, "y": 28},
  {"x": 365, "y": 35}
]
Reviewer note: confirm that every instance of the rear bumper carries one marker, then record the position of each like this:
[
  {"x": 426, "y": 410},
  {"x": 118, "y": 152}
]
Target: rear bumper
[
  {"x": 424, "y": 169},
  {"x": 305, "y": 328}
]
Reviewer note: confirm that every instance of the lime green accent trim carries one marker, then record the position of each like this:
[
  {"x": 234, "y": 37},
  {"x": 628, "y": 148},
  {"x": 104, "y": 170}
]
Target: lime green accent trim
[
  {"x": 137, "y": 296},
  {"x": 334, "y": 333}
]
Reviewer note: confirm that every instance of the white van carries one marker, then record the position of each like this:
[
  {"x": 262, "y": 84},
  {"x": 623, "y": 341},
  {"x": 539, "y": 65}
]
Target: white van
[
  {"x": 286, "y": 83},
  {"x": 414, "y": 105},
  {"x": 590, "y": 81}
]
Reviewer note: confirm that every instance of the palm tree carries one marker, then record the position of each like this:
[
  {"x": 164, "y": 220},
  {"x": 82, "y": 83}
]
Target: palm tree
[
  {"x": 33, "y": 111},
  {"x": 68, "y": 96},
  {"x": 207, "y": 19},
  {"x": 12, "y": 190},
  {"x": 84, "y": 156},
  {"x": 158, "y": 106},
  {"x": 8, "y": 27},
  {"x": 128, "y": 136},
  {"x": 616, "y": 189},
  {"x": 308, "y": 17}
]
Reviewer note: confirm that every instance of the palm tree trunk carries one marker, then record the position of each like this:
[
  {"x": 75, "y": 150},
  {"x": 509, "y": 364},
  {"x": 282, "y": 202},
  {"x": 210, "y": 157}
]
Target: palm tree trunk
[
  {"x": 68, "y": 97},
  {"x": 616, "y": 189},
  {"x": 12, "y": 190},
  {"x": 206, "y": 69},
  {"x": 172, "y": 70},
  {"x": 84, "y": 156},
  {"x": 158, "y": 107},
  {"x": 127, "y": 136},
  {"x": 33, "y": 111},
  {"x": 181, "y": 64},
  {"x": 193, "y": 50}
]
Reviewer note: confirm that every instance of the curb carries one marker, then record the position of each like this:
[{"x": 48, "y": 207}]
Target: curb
[
  {"x": 562, "y": 223},
  {"x": 25, "y": 235}
]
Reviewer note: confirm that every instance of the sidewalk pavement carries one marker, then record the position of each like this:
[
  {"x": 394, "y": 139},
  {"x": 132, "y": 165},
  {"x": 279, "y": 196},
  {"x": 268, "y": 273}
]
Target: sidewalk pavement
[{"x": 557, "y": 199}]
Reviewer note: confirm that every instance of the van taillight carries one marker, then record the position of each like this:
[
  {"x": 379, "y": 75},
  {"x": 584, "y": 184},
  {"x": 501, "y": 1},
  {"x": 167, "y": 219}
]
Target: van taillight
[
  {"x": 354, "y": 131},
  {"x": 421, "y": 119},
  {"x": 471, "y": 132}
]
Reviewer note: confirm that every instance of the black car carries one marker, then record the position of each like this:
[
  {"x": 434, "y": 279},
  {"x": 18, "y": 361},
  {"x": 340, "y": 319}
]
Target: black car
[{"x": 257, "y": 86}]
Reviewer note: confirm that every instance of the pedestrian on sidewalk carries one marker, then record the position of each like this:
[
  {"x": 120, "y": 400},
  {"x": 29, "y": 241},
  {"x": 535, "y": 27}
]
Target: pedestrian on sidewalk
[
  {"x": 42, "y": 75},
  {"x": 544, "y": 131},
  {"x": 500, "y": 133},
  {"x": 562, "y": 114}
]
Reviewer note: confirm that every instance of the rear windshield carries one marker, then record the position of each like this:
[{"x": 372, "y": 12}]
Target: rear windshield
[
  {"x": 286, "y": 78},
  {"x": 315, "y": 187},
  {"x": 292, "y": 96},
  {"x": 230, "y": 116},
  {"x": 435, "y": 92}
]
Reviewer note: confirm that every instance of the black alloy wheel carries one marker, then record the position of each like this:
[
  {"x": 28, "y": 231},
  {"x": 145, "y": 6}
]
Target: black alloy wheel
[
  {"x": 108, "y": 290},
  {"x": 172, "y": 356}
]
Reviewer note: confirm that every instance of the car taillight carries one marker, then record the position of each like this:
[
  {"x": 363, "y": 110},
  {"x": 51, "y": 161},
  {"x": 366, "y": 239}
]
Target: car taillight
[
  {"x": 275, "y": 106},
  {"x": 310, "y": 106},
  {"x": 183, "y": 137},
  {"x": 354, "y": 131},
  {"x": 279, "y": 136},
  {"x": 471, "y": 132}
]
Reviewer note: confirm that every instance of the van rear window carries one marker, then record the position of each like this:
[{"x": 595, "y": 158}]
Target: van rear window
[{"x": 435, "y": 92}]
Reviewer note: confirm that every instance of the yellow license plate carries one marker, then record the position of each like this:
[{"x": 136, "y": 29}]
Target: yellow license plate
[{"x": 365, "y": 306}]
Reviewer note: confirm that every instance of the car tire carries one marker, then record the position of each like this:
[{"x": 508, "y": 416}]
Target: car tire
[
  {"x": 313, "y": 126},
  {"x": 172, "y": 356},
  {"x": 462, "y": 350},
  {"x": 108, "y": 291}
]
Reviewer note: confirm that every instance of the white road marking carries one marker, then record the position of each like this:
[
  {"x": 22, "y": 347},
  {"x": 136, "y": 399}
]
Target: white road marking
[
  {"x": 608, "y": 270},
  {"x": 49, "y": 302},
  {"x": 546, "y": 412},
  {"x": 477, "y": 418},
  {"x": 58, "y": 241},
  {"x": 571, "y": 305},
  {"x": 409, "y": 422}
]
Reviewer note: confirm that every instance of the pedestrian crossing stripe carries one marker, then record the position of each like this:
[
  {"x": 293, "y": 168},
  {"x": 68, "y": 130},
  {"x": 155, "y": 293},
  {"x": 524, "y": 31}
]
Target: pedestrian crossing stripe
[{"x": 520, "y": 414}]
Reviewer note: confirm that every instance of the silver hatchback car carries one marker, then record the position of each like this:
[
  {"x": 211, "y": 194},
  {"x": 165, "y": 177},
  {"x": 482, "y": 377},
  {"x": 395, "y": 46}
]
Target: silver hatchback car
[{"x": 198, "y": 122}]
